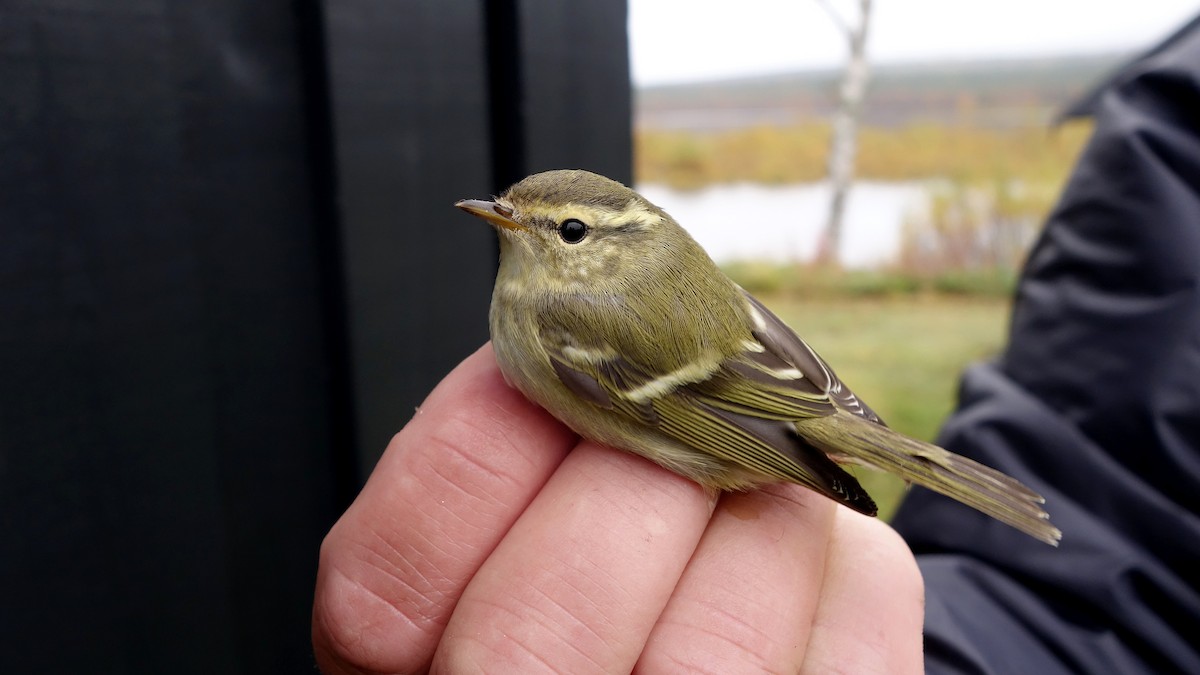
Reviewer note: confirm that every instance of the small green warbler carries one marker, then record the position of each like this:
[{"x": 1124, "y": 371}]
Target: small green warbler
[{"x": 611, "y": 317}]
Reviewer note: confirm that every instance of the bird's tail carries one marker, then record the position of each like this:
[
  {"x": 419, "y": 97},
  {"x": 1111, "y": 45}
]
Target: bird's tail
[{"x": 848, "y": 438}]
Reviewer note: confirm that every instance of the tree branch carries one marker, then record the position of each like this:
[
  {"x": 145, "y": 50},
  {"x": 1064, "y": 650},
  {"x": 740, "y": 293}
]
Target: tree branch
[{"x": 837, "y": 19}]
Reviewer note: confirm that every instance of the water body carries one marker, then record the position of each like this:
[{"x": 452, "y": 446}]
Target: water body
[{"x": 746, "y": 221}]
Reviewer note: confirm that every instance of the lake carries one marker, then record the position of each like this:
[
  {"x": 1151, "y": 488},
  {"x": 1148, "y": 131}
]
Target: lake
[{"x": 751, "y": 221}]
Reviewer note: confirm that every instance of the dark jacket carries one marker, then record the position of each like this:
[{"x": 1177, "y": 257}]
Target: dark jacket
[{"x": 1095, "y": 403}]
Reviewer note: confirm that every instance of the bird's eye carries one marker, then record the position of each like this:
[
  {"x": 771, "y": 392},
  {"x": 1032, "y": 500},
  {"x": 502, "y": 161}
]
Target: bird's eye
[{"x": 572, "y": 231}]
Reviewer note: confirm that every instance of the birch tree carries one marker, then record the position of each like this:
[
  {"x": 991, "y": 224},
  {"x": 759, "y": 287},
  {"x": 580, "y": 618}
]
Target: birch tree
[{"x": 844, "y": 141}]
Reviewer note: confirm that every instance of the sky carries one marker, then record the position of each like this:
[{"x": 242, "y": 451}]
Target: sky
[{"x": 673, "y": 41}]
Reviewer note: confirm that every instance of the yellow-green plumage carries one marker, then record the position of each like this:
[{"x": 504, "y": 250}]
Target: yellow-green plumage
[{"x": 633, "y": 337}]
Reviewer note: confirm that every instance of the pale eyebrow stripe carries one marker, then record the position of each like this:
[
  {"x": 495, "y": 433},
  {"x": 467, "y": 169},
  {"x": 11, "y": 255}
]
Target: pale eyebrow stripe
[{"x": 626, "y": 227}]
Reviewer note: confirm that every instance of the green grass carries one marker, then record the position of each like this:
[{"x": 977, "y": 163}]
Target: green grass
[
  {"x": 812, "y": 281},
  {"x": 901, "y": 354}
]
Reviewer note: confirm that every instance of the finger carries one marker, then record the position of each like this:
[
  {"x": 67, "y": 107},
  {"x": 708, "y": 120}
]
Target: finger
[
  {"x": 872, "y": 605},
  {"x": 577, "y": 584},
  {"x": 748, "y": 596},
  {"x": 445, "y": 492}
]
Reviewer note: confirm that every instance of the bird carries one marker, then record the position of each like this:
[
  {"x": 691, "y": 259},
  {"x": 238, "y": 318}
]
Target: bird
[{"x": 610, "y": 316}]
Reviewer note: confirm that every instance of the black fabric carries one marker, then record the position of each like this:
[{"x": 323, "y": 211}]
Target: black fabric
[
  {"x": 1096, "y": 404},
  {"x": 230, "y": 267},
  {"x": 165, "y": 435}
]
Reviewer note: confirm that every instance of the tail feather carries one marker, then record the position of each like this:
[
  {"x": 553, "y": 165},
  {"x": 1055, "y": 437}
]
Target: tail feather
[{"x": 851, "y": 439}]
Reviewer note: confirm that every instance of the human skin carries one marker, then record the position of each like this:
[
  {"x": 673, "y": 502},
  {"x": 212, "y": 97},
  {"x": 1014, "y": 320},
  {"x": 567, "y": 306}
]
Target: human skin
[{"x": 490, "y": 538}]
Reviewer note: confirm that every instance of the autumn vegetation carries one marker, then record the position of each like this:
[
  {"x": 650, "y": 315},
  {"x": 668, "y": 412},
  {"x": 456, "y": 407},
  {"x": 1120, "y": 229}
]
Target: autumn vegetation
[
  {"x": 989, "y": 191},
  {"x": 1032, "y": 154}
]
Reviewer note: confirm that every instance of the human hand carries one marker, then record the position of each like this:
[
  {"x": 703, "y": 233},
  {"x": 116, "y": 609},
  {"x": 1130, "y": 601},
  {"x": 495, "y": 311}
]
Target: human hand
[{"x": 489, "y": 537}]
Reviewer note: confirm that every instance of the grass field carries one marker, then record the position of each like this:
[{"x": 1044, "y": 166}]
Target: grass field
[{"x": 903, "y": 355}]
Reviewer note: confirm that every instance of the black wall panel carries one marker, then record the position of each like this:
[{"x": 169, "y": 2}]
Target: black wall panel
[
  {"x": 409, "y": 99},
  {"x": 164, "y": 434},
  {"x": 433, "y": 102},
  {"x": 577, "y": 104},
  {"x": 229, "y": 269}
]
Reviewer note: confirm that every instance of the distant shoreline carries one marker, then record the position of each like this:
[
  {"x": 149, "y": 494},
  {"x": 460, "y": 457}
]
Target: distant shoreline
[{"x": 998, "y": 91}]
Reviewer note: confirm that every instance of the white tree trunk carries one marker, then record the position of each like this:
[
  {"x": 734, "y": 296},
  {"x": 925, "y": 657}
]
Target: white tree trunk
[{"x": 844, "y": 142}]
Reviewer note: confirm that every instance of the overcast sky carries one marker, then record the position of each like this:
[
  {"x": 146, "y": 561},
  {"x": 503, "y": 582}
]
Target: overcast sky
[{"x": 673, "y": 41}]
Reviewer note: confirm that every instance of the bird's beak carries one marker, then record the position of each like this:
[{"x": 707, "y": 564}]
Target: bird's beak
[{"x": 496, "y": 214}]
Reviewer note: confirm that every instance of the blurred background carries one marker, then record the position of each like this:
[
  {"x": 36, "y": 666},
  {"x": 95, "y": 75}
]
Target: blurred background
[
  {"x": 230, "y": 267},
  {"x": 968, "y": 119}
]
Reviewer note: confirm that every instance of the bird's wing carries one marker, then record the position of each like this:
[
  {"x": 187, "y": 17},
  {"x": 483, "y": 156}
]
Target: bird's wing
[
  {"x": 782, "y": 342},
  {"x": 741, "y": 408}
]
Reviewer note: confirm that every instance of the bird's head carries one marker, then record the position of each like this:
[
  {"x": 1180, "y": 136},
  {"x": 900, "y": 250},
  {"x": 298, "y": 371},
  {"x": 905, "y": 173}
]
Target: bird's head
[{"x": 576, "y": 230}]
